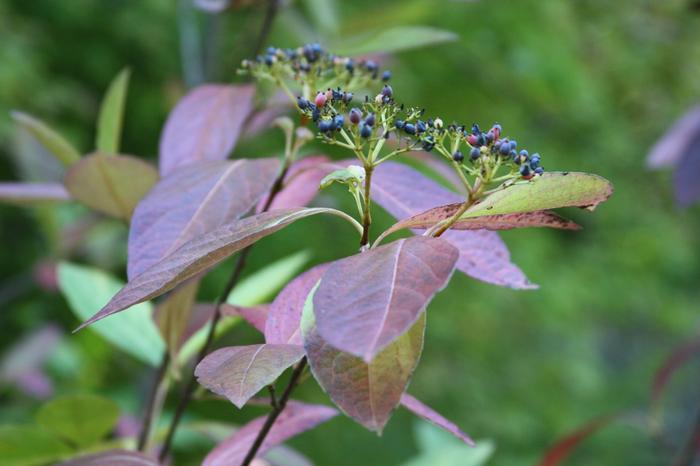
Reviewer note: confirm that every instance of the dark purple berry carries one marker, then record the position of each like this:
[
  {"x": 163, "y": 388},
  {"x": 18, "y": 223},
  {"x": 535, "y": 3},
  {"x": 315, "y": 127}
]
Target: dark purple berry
[
  {"x": 409, "y": 128},
  {"x": 302, "y": 103},
  {"x": 370, "y": 120},
  {"x": 371, "y": 66},
  {"x": 355, "y": 116},
  {"x": 386, "y": 75},
  {"x": 337, "y": 94},
  {"x": 365, "y": 131},
  {"x": 387, "y": 91},
  {"x": 458, "y": 156},
  {"x": 347, "y": 97},
  {"x": 325, "y": 125},
  {"x": 475, "y": 153},
  {"x": 338, "y": 122}
]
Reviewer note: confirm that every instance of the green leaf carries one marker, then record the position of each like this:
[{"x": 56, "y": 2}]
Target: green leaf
[
  {"x": 549, "y": 191},
  {"x": 393, "y": 40},
  {"x": 261, "y": 286},
  {"x": 174, "y": 313},
  {"x": 82, "y": 420},
  {"x": 111, "y": 118},
  {"x": 439, "y": 448},
  {"x": 255, "y": 289},
  {"x": 324, "y": 15},
  {"x": 352, "y": 175},
  {"x": 113, "y": 185},
  {"x": 50, "y": 139},
  {"x": 29, "y": 445},
  {"x": 88, "y": 289}
]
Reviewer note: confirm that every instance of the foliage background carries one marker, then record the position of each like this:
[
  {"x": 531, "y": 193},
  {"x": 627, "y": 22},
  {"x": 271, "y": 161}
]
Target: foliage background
[{"x": 589, "y": 84}]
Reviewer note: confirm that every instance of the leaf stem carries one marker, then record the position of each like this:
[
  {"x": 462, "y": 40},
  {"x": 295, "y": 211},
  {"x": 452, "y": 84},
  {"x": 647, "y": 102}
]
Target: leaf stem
[
  {"x": 274, "y": 414},
  {"x": 270, "y": 13},
  {"x": 366, "y": 214}
]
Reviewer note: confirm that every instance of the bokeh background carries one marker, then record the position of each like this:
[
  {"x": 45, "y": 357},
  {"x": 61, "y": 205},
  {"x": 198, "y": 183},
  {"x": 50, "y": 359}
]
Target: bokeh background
[{"x": 590, "y": 84}]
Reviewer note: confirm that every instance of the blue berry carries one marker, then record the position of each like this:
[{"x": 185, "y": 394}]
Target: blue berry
[
  {"x": 350, "y": 66},
  {"x": 513, "y": 144},
  {"x": 269, "y": 60},
  {"x": 525, "y": 153},
  {"x": 347, "y": 97},
  {"x": 504, "y": 148},
  {"x": 338, "y": 121},
  {"x": 475, "y": 153},
  {"x": 458, "y": 156},
  {"x": 409, "y": 128},
  {"x": 387, "y": 91},
  {"x": 303, "y": 103},
  {"x": 535, "y": 160},
  {"x": 475, "y": 129},
  {"x": 315, "y": 114},
  {"x": 420, "y": 126},
  {"x": 337, "y": 94},
  {"x": 271, "y": 50},
  {"x": 365, "y": 131},
  {"x": 539, "y": 170},
  {"x": 399, "y": 124},
  {"x": 428, "y": 143},
  {"x": 355, "y": 116},
  {"x": 325, "y": 125},
  {"x": 525, "y": 170},
  {"x": 386, "y": 75},
  {"x": 370, "y": 120},
  {"x": 371, "y": 66}
]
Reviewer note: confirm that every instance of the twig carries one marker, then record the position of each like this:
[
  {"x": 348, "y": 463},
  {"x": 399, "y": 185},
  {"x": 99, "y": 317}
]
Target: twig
[
  {"x": 151, "y": 403},
  {"x": 270, "y": 13},
  {"x": 690, "y": 451},
  {"x": 366, "y": 214},
  {"x": 274, "y": 414},
  {"x": 187, "y": 391}
]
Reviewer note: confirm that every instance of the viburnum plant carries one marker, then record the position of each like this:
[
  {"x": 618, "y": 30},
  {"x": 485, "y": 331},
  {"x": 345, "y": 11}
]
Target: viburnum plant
[{"x": 356, "y": 324}]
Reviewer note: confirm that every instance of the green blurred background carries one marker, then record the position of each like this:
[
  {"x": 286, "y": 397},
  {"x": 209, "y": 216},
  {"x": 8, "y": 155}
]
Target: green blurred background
[{"x": 590, "y": 84}]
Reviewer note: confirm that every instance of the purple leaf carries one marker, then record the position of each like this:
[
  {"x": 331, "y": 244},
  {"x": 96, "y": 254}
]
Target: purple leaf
[
  {"x": 27, "y": 193},
  {"x": 239, "y": 372},
  {"x": 112, "y": 458},
  {"x": 439, "y": 167},
  {"x": 685, "y": 177},
  {"x": 404, "y": 192},
  {"x": 111, "y": 184},
  {"x": 198, "y": 255},
  {"x": 276, "y": 106},
  {"x": 417, "y": 407},
  {"x": 204, "y": 125},
  {"x": 193, "y": 201},
  {"x": 283, "y": 322},
  {"x": 295, "y": 419},
  {"x": 368, "y": 393},
  {"x": 255, "y": 316},
  {"x": 673, "y": 145},
  {"x": 301, "y": 183},
  {"x": 366, "y": 301}
]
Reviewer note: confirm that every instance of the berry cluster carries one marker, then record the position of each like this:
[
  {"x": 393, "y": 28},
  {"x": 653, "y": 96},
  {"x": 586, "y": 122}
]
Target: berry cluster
[{"x": 310, "y": 65}]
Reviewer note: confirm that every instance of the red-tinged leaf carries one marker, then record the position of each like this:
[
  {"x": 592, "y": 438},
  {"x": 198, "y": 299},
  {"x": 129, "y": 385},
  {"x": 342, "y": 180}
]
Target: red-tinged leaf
[
  {"x": 429, "y": 218},
  {"x": 368, "y": 393},
  {"x": 29, "y": 193},
  {"x": 239, "y": 372},
  {"x": 193, "y": 201},
  {"x": 277, "y": 106},
  {"x": 563, "y": 448},
  {"x": 301, "y": 183},
  {"x": 284, "y": 321},
  {"x": 204, "y": 125},
  {"x": 403, "y": 192},
  {"x": 295, "y": 419},
  {"x": 685, "y": 177},
  {"x": 111, "y": 184},
  {"x": 366, "y": 301},
  {"x": 255, "y": 316},
  {"x": 551, "y": 190},
  {"x": 670, "y": 149},
  {"x": 201, "y": 254},
  {"x": 418, "y": 408},
  {"x": 112, "y": 458},
  {"x": 671, "y": 364}
]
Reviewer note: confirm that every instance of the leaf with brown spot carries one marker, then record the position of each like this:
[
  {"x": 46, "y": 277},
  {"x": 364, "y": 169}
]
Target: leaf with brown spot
[
  {"x": 199, "y": 255},
  {"x": 204, "y": 125},
  {"x": 239, "y": 372},
  {"x": 551, "y": 190},
  {"x": 111, "y": 184},
  {"x": 193, "y": 201},
  {"x": 368, "y": 393}
]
